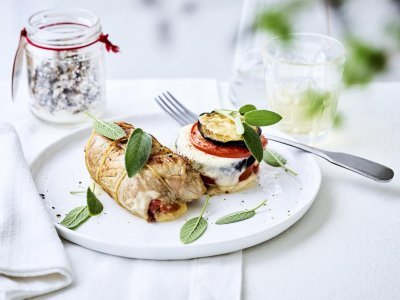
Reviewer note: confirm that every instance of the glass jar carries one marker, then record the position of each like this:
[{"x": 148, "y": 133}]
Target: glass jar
[
  {"x": 65, "y": 65},
  {"x": 303, "y": 81}
]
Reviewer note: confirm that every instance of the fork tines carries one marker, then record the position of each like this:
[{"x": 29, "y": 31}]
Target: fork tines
[{"x": 175, "y": 109}]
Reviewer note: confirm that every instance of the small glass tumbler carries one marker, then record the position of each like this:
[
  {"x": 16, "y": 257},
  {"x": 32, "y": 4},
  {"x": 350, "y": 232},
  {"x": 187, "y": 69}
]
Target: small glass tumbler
[{"x": 303, "y": 82}]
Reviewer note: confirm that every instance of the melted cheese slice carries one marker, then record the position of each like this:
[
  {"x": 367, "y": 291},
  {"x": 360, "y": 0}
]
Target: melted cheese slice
[{"x": 221, "y": 169}]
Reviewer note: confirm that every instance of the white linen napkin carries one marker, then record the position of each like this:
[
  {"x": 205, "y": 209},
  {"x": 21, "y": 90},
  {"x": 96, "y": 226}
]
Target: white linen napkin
[
  {"x": 102, "y": 276},
  {"x": 32, "y": 259}
]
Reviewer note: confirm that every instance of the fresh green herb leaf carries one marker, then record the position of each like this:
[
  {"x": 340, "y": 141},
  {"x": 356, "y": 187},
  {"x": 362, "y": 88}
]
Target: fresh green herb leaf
[
  {"x": 253, "y": 142},
  {"x": 261, "y": 117},
  {"x": 194, "y": 228},
  {"x": 76, "y": 217},
  {"x": 239, "y": 216},
  {"x": 239, "y": 126},
  {"x": 137, "y": 151},
  {"x": 94, "y": 205},
  {"x": 274, "y": 159},
  {"x": 236, "y": 217},
  {"x": 108, "y": 129},
  {"x": 234, "y": 116},
  {"x": 77, "y": 192},
  {"x": 246, "y": 108}
]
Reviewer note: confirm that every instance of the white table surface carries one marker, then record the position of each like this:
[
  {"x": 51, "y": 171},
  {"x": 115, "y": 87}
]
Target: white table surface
[{"x": 347, "y": 246}]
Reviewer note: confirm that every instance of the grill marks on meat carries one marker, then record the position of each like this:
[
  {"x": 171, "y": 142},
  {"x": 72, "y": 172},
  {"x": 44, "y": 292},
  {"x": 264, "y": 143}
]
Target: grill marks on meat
[{"x": 167, "y": 177}]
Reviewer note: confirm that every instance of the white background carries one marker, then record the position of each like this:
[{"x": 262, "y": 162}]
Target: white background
[{"x": 187, "y": 38}]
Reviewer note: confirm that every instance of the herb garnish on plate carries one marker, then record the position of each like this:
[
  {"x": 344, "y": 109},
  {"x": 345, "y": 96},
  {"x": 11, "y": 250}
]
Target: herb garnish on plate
[
  {"x": 247, "y": 116},
  {"x": 240, "y": 215},
  {"x": 195, "y": 227},
  {"x": 138, "y": 148},
  {"x": 80, "y": 214}
]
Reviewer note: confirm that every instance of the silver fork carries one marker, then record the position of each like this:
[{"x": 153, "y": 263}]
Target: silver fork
[{"x": 353, "y": 163}]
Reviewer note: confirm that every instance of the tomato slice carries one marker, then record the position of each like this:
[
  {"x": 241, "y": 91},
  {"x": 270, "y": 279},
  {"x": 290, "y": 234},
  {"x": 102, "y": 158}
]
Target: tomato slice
[
  {"x": 209, "y": 147},
  {"x": 156, "y": 206},
  {"x": 207, "y": 180}
]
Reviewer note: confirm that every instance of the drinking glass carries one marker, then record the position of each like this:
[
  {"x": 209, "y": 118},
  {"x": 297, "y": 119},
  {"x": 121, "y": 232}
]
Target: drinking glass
[
  {"x": 247, "y": 83},
  {"x": 303, "y": 80}
]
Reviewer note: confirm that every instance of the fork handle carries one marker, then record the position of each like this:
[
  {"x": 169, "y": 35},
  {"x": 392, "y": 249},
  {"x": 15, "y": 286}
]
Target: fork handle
[{"x": 353, "y": 163}]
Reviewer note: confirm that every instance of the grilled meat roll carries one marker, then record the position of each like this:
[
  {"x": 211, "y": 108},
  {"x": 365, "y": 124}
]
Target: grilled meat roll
[{"x": 159, "y": 192}]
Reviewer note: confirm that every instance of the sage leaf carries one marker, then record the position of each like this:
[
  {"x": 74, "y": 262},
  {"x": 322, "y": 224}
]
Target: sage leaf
[
  {"x": 240, "y": 215},
  {"x": 76, "y": 217},
  {"x": 261, "y": 117},
  {"x": 236, "y": 217},
  {"x": 108, "y": 129},
  {"x": 94, "y": 205},
  {"x": 246, "y": 108},
  {"x": 274, "y": 159},
  {"x": 137, "y": 151},
  {"x": 77, "y": 192},
  {"x": 253, "y": 142},
  {"x": 192, "y": 230},
  {"x": 239, "y": 126}
]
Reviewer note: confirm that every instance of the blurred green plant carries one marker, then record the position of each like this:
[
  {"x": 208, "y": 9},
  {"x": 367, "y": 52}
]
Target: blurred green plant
[
  {"x": 393, "y": 29},
  {"x": 275, "y": 22},
  {"x": 278, "y": 19},
  {"x": 363, "y": 62},
  {"x": 318, "y": 100},
  {"x": 338, "y": 120}
]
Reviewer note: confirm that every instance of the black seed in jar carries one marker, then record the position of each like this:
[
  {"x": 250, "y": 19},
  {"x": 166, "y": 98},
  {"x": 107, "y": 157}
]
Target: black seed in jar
[{"x": 70, "y": 81}]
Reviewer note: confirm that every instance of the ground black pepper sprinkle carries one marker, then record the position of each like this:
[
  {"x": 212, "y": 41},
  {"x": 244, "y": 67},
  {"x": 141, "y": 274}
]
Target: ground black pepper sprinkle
[
  {"x": 58, "y": 215},
  {"x": 43, "y": 196}
]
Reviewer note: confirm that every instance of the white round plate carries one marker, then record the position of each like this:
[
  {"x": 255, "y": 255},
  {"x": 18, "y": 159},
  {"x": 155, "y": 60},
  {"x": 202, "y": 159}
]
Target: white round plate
[{"x": 60, "y": 168}]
